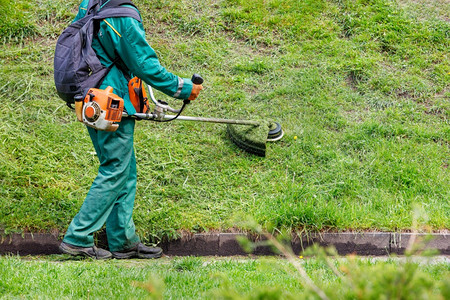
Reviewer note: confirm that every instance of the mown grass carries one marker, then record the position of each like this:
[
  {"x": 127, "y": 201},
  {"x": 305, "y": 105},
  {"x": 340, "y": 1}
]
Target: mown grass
[
  {"x": 205, "y": 278},
  {"x": 361, "y": 89}
]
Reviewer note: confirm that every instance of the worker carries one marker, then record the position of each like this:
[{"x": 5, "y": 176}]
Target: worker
[{"x": 110, "y": 199}]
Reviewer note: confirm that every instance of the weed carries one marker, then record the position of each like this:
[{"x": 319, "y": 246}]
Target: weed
[{"x": 187, "y": 264}]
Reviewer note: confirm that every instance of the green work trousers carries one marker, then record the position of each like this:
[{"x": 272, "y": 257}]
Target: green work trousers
[{"x": 110, "y": 199}]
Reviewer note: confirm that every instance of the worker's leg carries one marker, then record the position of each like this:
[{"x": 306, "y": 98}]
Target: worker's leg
[
  {"x": 120, "y": 227},
  {"x": 116, "y": 155}
]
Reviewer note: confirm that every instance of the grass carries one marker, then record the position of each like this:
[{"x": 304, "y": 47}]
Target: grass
[
  {"x": 193, "y": 278},
  {"x": 361, "y": 89},
  {"x": 14, "y": 21}
]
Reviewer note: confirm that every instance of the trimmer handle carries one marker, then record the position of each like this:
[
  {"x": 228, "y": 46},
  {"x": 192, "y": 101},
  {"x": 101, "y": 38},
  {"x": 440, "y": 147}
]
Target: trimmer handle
[{"x": 196, "y": 79}]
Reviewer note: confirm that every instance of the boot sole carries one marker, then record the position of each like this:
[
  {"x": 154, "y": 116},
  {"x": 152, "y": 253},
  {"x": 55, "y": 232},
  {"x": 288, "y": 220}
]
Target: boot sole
[{"x": 135, "y": 254}]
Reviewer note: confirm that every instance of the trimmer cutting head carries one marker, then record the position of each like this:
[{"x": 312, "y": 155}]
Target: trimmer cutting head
[
  {"x": 253, "y": 138},
  {"x": 249, "y": 135}
]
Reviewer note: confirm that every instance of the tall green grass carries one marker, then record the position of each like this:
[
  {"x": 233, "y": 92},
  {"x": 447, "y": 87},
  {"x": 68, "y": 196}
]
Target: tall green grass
[
  {"x": 15, "y": 23},
  {"x": 360, "y": 88}
]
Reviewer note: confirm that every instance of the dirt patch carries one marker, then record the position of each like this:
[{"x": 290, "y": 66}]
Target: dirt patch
[
  {"x": 427, "y": 9},
  {"x": 352, "y": 82}
]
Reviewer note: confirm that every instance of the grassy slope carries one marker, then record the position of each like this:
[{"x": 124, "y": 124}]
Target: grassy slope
[{"x": 362, "y": 92}]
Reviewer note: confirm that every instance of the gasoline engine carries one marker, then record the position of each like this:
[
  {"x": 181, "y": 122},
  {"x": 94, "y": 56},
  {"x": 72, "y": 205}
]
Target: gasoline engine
[{"x": 102, "y": 109}]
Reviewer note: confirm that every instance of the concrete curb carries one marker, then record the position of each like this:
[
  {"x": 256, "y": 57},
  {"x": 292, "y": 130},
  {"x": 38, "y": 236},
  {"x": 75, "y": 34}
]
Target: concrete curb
[{"x": 227, "y": 244}]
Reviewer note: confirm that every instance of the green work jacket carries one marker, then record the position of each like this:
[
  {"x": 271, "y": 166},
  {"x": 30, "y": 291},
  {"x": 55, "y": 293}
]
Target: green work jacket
[{"x": 125, "y": 37}]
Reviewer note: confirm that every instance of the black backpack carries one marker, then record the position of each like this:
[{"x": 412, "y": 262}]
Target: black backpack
[{"x": 76, "y": 66}]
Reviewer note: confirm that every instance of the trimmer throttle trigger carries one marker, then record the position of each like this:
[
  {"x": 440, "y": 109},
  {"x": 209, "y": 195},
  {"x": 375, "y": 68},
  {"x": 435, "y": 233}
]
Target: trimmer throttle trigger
[{"x": 196, "y": 79}]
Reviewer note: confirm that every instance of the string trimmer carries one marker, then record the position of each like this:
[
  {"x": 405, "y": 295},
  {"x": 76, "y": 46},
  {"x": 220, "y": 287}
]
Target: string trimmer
[{"x": 249, "y": 135}]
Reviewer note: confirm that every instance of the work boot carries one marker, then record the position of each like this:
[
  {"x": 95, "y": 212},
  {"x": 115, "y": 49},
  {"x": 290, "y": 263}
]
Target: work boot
[
  {"x": 92, "y": 252},
  {"x": 138, "y": 251}
]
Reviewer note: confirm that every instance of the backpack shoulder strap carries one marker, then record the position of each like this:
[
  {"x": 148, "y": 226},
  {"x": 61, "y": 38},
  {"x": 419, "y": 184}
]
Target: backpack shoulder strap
[
  {"x": 117, "y": 3},
  {"x": 93, "y": 5},
  {"x": 114, "y": 8}
]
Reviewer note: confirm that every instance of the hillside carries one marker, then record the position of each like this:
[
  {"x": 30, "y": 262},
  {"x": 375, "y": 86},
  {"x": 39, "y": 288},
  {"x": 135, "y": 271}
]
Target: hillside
[{"x": 361, "y": 89}]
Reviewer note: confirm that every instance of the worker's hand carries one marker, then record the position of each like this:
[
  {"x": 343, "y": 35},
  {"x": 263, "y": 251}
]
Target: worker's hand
[{"x": 196, "y": 88}]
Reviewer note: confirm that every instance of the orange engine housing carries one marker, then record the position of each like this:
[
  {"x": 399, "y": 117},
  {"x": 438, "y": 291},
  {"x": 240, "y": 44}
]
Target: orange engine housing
[
  {"x": 138, "y": 95},
  {"x": 102, "y": 109}
]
